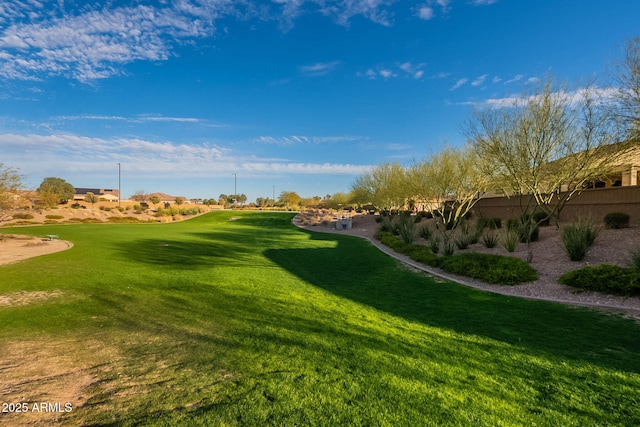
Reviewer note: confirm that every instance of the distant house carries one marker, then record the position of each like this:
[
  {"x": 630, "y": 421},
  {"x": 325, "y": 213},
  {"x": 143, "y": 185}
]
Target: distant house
[{"x": 102, "y": 193}]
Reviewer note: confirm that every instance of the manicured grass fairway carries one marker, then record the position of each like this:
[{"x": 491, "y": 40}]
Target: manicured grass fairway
[{"x": 254, "y": 322}]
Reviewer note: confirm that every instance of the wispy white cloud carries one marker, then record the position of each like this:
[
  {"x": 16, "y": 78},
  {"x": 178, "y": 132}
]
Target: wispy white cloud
[
  {"x": 483, "y": 2},
  {"x": 459, "y": 83},
  {"x": 387, "y": 73},
  {"x": 426, "y": 13},
  {"x": 88, "y": 42},
  {"x": 597, "y": 95},
  {"x": 414, "y": 70},
  {"x": 496, "y": 79},
  {"x": 479, "y": 80},
  {"x": 514, "y": 79},
  {"x": 73, "y": 155},
  {"x": 299, "y": 139},
  {"x": 319, "y": 69},
  {"x": 141, "y": 118}
]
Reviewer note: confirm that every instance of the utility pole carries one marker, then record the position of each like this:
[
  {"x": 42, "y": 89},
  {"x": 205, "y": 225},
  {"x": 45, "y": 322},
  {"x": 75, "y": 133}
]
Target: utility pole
[{"x": 235, "y": 189}]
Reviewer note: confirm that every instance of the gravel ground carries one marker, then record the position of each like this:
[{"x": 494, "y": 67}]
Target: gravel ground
[{"x": 549, "y": 259}]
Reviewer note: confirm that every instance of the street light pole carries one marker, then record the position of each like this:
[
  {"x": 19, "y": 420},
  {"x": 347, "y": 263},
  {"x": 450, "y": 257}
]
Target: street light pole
[{"x": 119, "y": 189}]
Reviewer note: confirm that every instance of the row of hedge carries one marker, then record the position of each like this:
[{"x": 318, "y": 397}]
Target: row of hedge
[{"x": 486, "y": 267}]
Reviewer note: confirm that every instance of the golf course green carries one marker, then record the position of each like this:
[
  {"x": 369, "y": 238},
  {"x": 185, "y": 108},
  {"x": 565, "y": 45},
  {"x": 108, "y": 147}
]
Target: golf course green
[{"x": 240, "y": 318}]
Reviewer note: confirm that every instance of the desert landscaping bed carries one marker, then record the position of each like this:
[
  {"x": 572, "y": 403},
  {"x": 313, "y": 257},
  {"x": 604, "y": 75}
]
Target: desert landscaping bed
[{"x": 549, "y": 259}]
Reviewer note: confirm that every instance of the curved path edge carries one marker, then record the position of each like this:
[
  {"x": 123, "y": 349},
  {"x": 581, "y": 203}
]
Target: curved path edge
[{"x": 465, "y": 281}]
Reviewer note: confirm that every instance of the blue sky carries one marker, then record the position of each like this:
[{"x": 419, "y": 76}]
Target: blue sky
[{"x": 291, "y": 95}]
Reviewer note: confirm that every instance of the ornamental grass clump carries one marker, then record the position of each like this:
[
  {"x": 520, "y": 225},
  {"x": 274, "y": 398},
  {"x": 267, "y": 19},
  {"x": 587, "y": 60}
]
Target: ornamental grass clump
[
  {"x": 511, "y": 240},
  {"x": 406, "y": 229},
  {"x": 634, "y": 262},
  {"x": 425, "y": 232},
  {"x": 490, "y": 239},
  {"x": 579, "y": 237}
]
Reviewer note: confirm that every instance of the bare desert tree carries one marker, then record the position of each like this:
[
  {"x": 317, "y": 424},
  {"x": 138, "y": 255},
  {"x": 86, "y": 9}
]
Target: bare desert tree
[
  {"x": 450, "y": 182},
  {"x": 627, "y": 81},
  {"x": 10, "y": 184},
  {"x": 545, "y": 147}
]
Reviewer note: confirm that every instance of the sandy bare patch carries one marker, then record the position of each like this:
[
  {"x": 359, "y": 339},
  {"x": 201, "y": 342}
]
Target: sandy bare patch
[
  {"x": 14, "y": 248},
  {"x": 27, "y": 297},
  {"x": 43, "y": 380}
]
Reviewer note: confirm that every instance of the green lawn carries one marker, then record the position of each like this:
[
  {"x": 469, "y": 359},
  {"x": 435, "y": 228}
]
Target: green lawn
[{"x": 255, "y": 322}]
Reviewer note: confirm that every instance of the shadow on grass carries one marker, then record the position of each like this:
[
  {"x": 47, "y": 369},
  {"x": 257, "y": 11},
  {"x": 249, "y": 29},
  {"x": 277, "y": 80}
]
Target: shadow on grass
[
  {"x": 359, "y": 272},
  {"x": 225, "y": 243}
]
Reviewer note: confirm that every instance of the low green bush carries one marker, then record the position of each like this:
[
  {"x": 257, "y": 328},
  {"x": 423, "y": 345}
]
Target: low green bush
[
  {"x": 610, "y": 279},
  {"x": 53, "y": 216},
  {"x": 616, "y": 220},
  {"x": 490, "y": 268},
  {"x": 22, "y": 216},
  {"x": 541, "y": 218},
  {"x": 118, "y": 219},
  {"x": 423, "y": 214},
  {"x": 486, "y": 267},
  {"x": 492, "y": 223}
]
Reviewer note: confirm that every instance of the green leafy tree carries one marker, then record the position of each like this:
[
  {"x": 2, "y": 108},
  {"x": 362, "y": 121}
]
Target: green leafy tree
[
  {"x": 290, "y": 199},
  {"x": 55, "y": 190},
  {"x": 91, "y": 198},
  {"x": 385, "y": 187},
  {"x": 154, "y": 199}
]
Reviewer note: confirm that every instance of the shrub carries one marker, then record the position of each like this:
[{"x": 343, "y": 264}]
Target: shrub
[
  {"x": 424, "y": 255},
  {"x": 490, "y": 239},
  {"x": 53, "y": 216},
  {"x": 425, "y": 232},
  {"x": 541, "y": 218},
  {"x": 522, "y": 226},
  {"x": 22, "y": 216},
  {"x": 610, "y": 279},
  {"x": 123, "y": 219},
  {"x": 434, "y": 244},
  {"x": 423, "y": 214},
  {"x": 492, "y": 223},
  {"x": 616, "y": 220},
  {"x": 578, "y": 238},
  {"x": 490, "y": 268}
]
